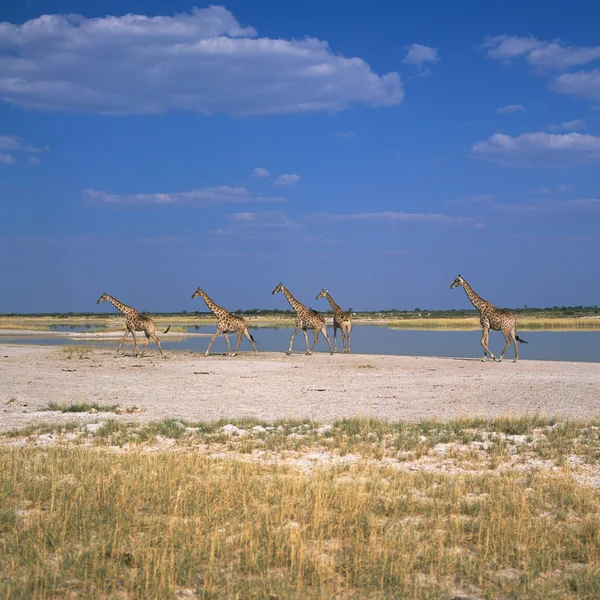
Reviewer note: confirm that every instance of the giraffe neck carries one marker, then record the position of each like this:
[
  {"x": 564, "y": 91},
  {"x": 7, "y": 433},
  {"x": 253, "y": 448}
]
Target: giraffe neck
[
  {"x": 334, "y": 306},
  {"x": 297, "y": 306},
  {"x": 217, "y": 310},
  {"x": 478, "y": 302},
  {"x": 122, "y": 308}
]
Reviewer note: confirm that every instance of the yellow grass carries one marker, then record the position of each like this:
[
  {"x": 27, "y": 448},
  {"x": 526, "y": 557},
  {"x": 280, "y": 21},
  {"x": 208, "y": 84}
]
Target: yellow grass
[
  {"x": 86, "y": 521},
  {"x": 180, "y": 323}
]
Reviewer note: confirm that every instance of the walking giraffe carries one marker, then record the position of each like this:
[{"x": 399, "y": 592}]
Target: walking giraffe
[
  {"x": 305, "y": 319},
  {"x": 135, "y": 322},
  {"x": 492, "y": 318},
  {"x": 226, "y": 323},
  {"x": 341, "y": 321}
]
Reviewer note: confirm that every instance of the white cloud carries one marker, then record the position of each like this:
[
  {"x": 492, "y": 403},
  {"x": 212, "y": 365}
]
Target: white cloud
[
  {"x": 554, "y": 55},
  {"x": 505, "y": 47},
  {"x": 539, "y": 149},
  {"x": 475, "y": 200},
  {"x": 419, "y": 56},
  {"x": 16, "y": 144},
  {"x": 510, "y": 109},
  {"x": 575, "y": 124},
  {"x": 260, "y": 172},
  {"x": 403, "y": 217},
  {"x": 7, "y": 159},
  {"x": 539, "y": 53},
  {"x": 273, "y": 223},
  {"x": 210, "y": 196},
  {"x": 287, "y": 179},
  {"x": 204, "y": 61},
  {"x": 34, "y": 161},
  {"x": 583, "y": 83},
  {"x": 551, "y": 206}
]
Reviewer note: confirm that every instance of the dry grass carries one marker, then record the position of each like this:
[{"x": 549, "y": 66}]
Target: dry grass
[{"x": 187, "y": 510}]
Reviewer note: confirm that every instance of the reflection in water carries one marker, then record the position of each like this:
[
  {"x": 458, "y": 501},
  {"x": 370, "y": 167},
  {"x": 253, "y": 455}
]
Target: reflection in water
[{"x": 369, "y": 339}]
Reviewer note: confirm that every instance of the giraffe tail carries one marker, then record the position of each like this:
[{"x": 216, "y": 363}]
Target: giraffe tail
[
  {"x": 251, "y": 337},
  {"x": 520, "y": 340},
  {"x": 167, "y": 329}
]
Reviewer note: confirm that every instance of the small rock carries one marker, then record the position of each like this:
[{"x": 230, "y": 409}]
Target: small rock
[
  {"x": 259, "y": 429},
  {"x": 230, "y": 429}
]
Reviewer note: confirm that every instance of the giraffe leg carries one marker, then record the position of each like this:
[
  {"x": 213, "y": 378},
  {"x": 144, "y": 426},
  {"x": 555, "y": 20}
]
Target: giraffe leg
[
  {"x": 349, "y": 332},
  {"x": 214, "y": 337},
  {"x": 137, "y": 350},
  {"x": 343, "y": 331},
  {"x": 239, "y": 341},
  {"x": 147, "y": 342},
  {"x": 247, "y": 334},
  {"x": 335, "y": 337},
  {"x": 306, "y": 340},
  {"x": 484, "y": 342},
  {"x": 155, "y": 338},
  {"x": 514, "y": 339},
  {"x": 508, "y": 340},
  {"x": 292, "y": 339},
  {"x": 315, "y": 340},
  {"x": 324, "y": 330},
  {"x": 228, "y": 346},
  {"x": 122, "y": 340}
]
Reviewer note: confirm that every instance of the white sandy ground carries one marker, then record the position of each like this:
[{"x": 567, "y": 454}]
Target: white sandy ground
[{"x": 269, "y": 386}]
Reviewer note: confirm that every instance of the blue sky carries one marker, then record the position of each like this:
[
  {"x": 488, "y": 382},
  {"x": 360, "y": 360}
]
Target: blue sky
[{"x": 377, "y": 150}]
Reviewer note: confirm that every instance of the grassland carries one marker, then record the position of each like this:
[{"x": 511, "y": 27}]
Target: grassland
[
  {"x": 293, "y": 509},
  {"x": 564, "y": 318}
]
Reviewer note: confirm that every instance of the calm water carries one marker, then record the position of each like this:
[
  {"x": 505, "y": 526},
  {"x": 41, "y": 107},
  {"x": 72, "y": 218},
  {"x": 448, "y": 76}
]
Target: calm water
[{"x": 368, "y": 339}]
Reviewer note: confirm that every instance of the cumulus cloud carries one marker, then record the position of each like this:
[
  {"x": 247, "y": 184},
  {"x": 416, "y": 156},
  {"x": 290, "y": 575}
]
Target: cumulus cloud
[
  {"x": 510, "y": 109},
  {"x": 7, "y": 159},
  {"x": 402, "y": 217},
  {"x": 506, "y": 47},
  {"x": 419, "y": 56},
  {"x": 583, "y": 83},
  {"x": 203, "y": 61},
  {"x": 539, "y": 149},
  {"x": 209, "y": 196},
  {"x": 541, "y": 54},
  {"x": 287, "y": 179},
  {"x": 574, "y": 124},
  {"x": 260, "y": 172}
]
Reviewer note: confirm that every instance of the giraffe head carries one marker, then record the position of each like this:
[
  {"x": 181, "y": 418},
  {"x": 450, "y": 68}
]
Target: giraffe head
[
  {"x": 322, "y": 294},
  {"x": 459, "y": 281},
  {"x": 102, "y": 298},
  {"x": 279, "y": 288},
  {"x": 196, "y": 293}
]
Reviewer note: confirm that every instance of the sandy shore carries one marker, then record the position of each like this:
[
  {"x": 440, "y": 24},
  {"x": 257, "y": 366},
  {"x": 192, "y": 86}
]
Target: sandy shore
[{"x": 273, "y": 385}]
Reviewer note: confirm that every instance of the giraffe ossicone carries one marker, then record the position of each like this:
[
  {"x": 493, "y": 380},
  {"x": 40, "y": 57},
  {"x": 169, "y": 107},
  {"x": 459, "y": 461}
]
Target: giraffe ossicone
[
  {"x": 226, "y": 323},
  {"x": 305, "y": 319},
  {"x": 134, "y": 322},
  {"x": 494, "y": 318}
]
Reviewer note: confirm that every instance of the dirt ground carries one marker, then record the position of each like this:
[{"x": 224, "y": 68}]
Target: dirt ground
[{"x": 272, "y": 385}]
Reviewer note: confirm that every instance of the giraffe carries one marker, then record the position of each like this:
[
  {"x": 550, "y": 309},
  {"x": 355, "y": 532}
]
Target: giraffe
[
  {"x": 305, "y": 319},
  {"x": 134, "y": 322},
  {"x": 492, "y": 318},
  {"x": 226, "y": 323},
  {"x": 341, "y": 321}
]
